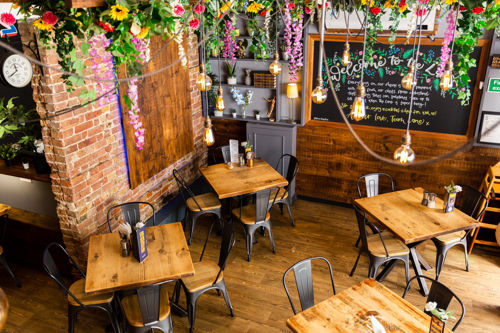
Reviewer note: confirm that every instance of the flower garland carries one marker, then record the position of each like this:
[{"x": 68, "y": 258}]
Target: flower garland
[
  {"x": 293, "y": 29},
  {"x": 448, "y": 38},
  {"x": 102, "y": 66},
  {"x": 178, "y": 40},
  {"x": 287, "y": 34},
  {"x": 230, "y": 46}
]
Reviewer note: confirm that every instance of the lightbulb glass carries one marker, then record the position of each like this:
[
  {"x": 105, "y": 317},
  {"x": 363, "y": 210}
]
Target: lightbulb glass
[
  {"x": 346, "y": 57},
  {"x": 407, "y": 81},
  {"x": 275, "y": 67},
  {"x": 208, "y": 137},
  {"x": 358, "y": 110},
  {"x": 203, "y": 82},
  {"x": 404, "y": 154},
  {"x": 319, "y": 95},
  {"x": 446, "y": 81}
]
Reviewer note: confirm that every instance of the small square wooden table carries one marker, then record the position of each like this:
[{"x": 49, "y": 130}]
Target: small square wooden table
[
  {"x": 4, "y": 208},
  {"x": 168, "y": 258},
  {"x": 349, "y": 311},
  {"x": 403, "y": 214}
]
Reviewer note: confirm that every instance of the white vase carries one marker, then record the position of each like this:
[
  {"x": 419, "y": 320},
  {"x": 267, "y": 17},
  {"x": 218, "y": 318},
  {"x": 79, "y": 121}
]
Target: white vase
[
  {"x": 257, "y": 116},
  {"x": 234, "y": 114},
  {"x": 231, "y": 80},
  {"x": 218, "y": 113}
]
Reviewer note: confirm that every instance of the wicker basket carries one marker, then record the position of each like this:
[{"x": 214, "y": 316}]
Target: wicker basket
[
  {"x": 495, "y": 62},
  {"x": 264, "y": 80}
]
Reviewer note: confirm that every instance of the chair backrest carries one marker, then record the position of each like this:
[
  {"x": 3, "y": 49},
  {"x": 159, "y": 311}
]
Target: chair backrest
[
  {"x": 303, "y": 279},
  {"x": 131, "y": 212},
  {"x": 149, "y": 303},
  {"x": 474, "y": 202},
  {"x": 51, "y": 268},
  {"x": 184, "y": 188},
  {"x": 288, "y": 166},
  {"x": 440, "y": 294},
  {"x": 221, "y": 154},
  {"x": 372, "y": 184},
  {"x": 488, "y": 181},
  {"x": 362, "y": 223}
]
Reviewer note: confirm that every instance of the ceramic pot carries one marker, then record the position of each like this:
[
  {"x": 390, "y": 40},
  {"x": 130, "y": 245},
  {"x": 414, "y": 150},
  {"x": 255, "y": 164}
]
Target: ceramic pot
[
  {"x": 257, "y": 116},
  {"x": 218, "y": 113},
  {"x": 234, "y": 114},
  {"x": 231, "y": 80}
]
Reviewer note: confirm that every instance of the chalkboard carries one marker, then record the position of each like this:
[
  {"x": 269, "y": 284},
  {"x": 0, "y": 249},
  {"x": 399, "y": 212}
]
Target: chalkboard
[{"x": 387, "y": 103}]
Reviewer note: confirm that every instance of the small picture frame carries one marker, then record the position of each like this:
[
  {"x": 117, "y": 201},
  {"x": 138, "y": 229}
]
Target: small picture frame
[{"x": 449, "y": 201}]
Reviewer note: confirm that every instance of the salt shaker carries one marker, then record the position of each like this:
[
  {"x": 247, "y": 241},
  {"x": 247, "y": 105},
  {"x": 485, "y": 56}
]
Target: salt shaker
[
  {"x": 125, "y": 247},
  {"x": 432, "y": 200},
  {"x": 425, "y": 198}
]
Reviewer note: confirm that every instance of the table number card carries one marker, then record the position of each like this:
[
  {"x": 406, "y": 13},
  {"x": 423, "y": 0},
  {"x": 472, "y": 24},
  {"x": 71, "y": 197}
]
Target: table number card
[
  {"x": 139, "y": 244},
  {"x": 233, "y": 150}
]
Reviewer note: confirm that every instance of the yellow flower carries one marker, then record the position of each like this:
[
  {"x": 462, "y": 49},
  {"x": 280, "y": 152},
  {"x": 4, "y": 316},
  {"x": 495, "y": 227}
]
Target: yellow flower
[
  {"x": 42, "y": 25},
  {"x": 15, "y": 5},
  {"x": 225, "y": 7},
  {"x": 78, "y": 14},
  {"x": 389, "y": 4},
  {"x": 78, "y": 22},
  {"x": 254, "y": 7},
  {"x": 143, "y": 33},
  {"x": 118, "y": 12},
  {"x": 450, "y": 2},
  {"x": 497, "y": 2},
  {"x": 402, "y": 9},
  {"x": 370, "y": 1}
]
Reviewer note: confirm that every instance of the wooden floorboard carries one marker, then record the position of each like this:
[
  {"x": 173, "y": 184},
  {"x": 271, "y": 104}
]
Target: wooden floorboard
[{"x": 255, "y": 287}]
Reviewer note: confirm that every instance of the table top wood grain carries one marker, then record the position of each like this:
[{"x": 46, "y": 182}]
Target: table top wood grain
[
  {"x": 168, "y": 258},
  {"x": 403, "y": 214},
  {"x": 229, "y": 183},
  {"x": 4, "y": 208},
  {"x": 349, "y": 311}
]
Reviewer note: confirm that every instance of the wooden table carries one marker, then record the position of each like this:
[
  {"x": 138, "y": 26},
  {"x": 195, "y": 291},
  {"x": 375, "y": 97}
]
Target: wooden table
[
  {"x": 402, "y": 213},
  {"x": 4, "y": 208},
  {"x": 228, "y": 183},
  {"x": 349, "y": 311},
  {"x": 168, "y": 258}
]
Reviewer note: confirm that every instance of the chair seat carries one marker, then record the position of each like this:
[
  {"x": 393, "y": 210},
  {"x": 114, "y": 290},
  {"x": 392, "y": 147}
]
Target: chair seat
[
  {"x": 451, "y": 238},
  {"x": 204, "y": 276},
  {"x": 282, "y": 194},
  {"x": 248, "y": 214},
  {"x": 1, "y": 250},
  {"x": 132, "y": 310},
  {"x": 395, "y": 247},
  {"x": 207, "y": 201},
  {"x": 78, "y": 289}
]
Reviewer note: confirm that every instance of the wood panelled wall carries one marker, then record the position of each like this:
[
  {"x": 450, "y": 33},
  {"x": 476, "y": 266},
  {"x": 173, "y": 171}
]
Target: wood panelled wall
[{"x": 225, "y": 130}]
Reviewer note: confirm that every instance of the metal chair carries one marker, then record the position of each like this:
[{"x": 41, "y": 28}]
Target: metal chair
[
  {"x": 256, "y": 216},
  {"x": 381, "y": 247},
  {"x": 208, "y": 275},
  {"x": 4, "y": 220},
  {"x": 281, "y": 194},
  {"x": 440, "y": 294},
  {"x": 131, "y": 212},
  {"x": 303, "y": 279},
  {"x": 197, "y": 205},
  {"x": 474, "y": 205},
  {"x": 147, "y": 308},
  {"x": 371, "y": 188},
  {"x": 221, "y": 154},
  {"x": 75, "y": 293}
]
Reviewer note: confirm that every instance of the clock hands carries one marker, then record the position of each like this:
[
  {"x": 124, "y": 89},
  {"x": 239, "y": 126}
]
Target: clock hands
[{"x": 14, "y": 72}]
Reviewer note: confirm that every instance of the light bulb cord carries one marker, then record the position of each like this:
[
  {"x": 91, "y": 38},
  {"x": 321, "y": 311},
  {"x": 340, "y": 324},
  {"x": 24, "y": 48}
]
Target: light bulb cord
[
  {"x": 322, "y": 39},
  {"x": 364, "y": 42},
  {"x": 454, "y": 31},
  {"x": 218, "y": 41},
  {"x": 346, "y": 21}
]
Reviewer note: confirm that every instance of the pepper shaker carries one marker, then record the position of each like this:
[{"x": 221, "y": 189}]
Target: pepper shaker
[{"x": 125, "y": 247}]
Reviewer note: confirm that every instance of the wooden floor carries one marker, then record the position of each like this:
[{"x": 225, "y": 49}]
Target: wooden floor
[{"x": 255, "y": 287}]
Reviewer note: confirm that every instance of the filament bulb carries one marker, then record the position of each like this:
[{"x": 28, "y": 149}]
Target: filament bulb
[
  {"x": 208, "y": 135},
  {"x": 275, "y": 66},
  {"x": 446, "y": 81},
  {"x": 219, "y": 104},
  {"x": 319, "y": 93},
  {"x": 409, "y": 79},
  {"x": 358, "y": 110},
  {"x": 404, "y": 154},
  {"x": 346, "y": 55},
  {"x": 203, "y": 81}
]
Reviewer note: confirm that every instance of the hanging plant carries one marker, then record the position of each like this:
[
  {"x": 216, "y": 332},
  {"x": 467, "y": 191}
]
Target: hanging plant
[{"x": 230, "y": 45}]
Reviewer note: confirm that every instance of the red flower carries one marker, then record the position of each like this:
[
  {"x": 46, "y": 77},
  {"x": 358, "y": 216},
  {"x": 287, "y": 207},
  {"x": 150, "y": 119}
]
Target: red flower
[
  {"x": 198, "y": 9},
  {"x": 375, "y": 10},
  {"x": 194, "y": 23},
  {"x": 106, "y": 26},
  {"x": 421, "y": 12},
  {"x": 49, "y": 18},
  {"x": 424, "y": 1},
  {"x": 291, "y": 5},
  {"x": 308, "y": 10},
  {"x": 462, "y": 8},
  {"x": 8, "y": 19},
  {"x": 262, "y": 13},
  {"x": 326, "y": 5},
  {"x": 178, "y": 10},
  {"x": 477, "y": 10},
  {"x": 402, "y": 3}
]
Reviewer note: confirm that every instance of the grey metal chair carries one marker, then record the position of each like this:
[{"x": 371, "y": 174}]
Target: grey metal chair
[
  {"x": 380, "y": 247},
  {"x": 147, "y": 308},
  {"x": 221, "y": 154},
  {"x": 303, "y": 279},
  {"x": 197, "y": 205},
  {"x": 291, "y": 164},
  {"x": 75, "y": 293},
  {"x": 440, "y": 294},
  {"x": 131, "y": 212},
  {"x": 256, "y": 216},
  {"x": 4, "y": 220},
  {"x": 474, "y": 204},
  {"x": 208, "y": 275},
  {"x": 371, "y": 188}
]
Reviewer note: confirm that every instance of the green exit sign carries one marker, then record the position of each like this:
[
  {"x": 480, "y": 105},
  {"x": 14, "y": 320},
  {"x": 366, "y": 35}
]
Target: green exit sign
[{"x": 494, "y": 85}]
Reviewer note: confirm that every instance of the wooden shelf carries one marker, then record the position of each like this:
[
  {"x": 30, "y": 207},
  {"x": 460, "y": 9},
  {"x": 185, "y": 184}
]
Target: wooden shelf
[
  {"x": 244, "y": 86},
  {"x": 269, "y": 60},
  {"x": 251, "y": 119},
  {"x": 17, "y": 170}
]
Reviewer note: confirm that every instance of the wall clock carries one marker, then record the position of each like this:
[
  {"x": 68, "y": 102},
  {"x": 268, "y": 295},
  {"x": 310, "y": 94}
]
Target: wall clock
[{"x": 16, "y": 70}]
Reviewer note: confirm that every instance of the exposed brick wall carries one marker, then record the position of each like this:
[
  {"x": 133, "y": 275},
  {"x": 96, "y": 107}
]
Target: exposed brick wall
[{"x": 85, "y": 150}]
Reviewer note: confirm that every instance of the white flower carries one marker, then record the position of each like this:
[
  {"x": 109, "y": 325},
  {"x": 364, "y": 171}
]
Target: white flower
[
  {"x": 458, "y": 188},
  {"x": 430, "y": 306},
  {"x": 135, "y": 29},
  {"x": 139, "y": 225}
]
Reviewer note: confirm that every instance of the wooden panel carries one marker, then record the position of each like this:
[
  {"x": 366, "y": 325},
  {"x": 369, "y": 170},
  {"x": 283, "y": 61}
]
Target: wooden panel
[
  {"x": 224, "y": 130},
  {"x": 349, "y": 311},
  {"x": 84, "y": 3},
  {"x": 165, "y": 104},
  {"x": 168, "y": 258}
]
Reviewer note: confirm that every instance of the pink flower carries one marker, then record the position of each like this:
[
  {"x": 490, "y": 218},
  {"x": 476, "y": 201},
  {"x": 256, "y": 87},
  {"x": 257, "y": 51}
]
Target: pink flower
[
  {"x": 194, "y": 23},
  {"x": 291, "y": 5},
  {"x": 178, "y": 10},
  {"x": 198, "y": 9},
  {"x": 49, "y": 18},
  {"x": 424, "y": 1},
  {"x": 308, "y": 10},
  {"x": 8, "y": 19},
  {"x": 374, "y": 56}
]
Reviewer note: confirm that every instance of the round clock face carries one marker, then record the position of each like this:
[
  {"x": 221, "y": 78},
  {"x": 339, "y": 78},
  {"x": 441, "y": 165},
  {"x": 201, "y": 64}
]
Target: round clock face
[{"x": 17, "y": 70}]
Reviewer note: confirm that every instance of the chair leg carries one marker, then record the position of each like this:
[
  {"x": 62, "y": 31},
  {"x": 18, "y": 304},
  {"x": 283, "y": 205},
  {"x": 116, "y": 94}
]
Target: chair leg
[
  {"x": 11, "y": 273},
  {"x": 440, "y": 258},
  {"x": 373, "y": 270},
  {"x": 191, "y": 229},
  {"x": 357, "y": 242},
  {"x": 191, "y": 303},
  {"x": 249, "y": 243},
  {"x": 281, "y": 208},
  {"x": 226, "y": 297},
  {"x": 355, "y": 263},
  {"x": 407, "y": 268},
  {"x": 466, "y": 256},
  {"x": 271, "y": 238},
  {"x": 112, "y": 317},
  {"x": 206, "y": 241},
  {"x": 72, "y": 314},
  {"x": 290, "y": 211}
]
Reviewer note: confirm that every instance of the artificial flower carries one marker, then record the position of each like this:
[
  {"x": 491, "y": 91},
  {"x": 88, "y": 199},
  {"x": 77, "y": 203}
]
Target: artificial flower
[
  {"x": 15, "y": 5},
  {"x": 375, "y": 10},
  {"x": 291, "y": 5},
  {"x": 135, "y": 29},
  {"x": 477, "y": 10},
  {"x": 430, "y": 306},
  {"x": 7, "y": 18},
  {"x": 389, "y": 4},
  {"x": 370, "y": 2},
  {"x": 423, "y": 2},
  {"x": 178, "y": 10},
  {"x": 326, "y": 5},
  {"x": 143, "y": 33},
  {"x": 497, "y": 2},
  {"x": 199, "y": 8},
  {"x": 308, "y": 10},
  {"x": 40, "y": 25},
  {"x": 194, "y": 23},
  {"x": 49, "y": 18},
  {"x": 462, "y": 8},
  {"x": 106, "y": 26},
  {"x": 118, "y": 12},
  {"x": 224, "y": 8},
  {"x": 254, "y": 7},
  {"x": 262, "y": 13},
  {"x": 402, "y": 8},
  {"x": 450, "y": 2},
  {"x": 421, "y": 11}
]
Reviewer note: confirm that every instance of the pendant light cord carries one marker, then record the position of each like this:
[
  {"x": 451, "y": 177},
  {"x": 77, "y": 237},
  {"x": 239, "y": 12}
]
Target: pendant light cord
[
  {"x": 364, "y": 42},
  {"x": 454, "y": 31},
  {"x": 322, "y": 38},
  {"x": 346, "y": 22}
]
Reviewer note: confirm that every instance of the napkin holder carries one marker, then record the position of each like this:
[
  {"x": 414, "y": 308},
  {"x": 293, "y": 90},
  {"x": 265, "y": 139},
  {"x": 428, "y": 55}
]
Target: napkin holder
[{"x": 139, "y": 243}]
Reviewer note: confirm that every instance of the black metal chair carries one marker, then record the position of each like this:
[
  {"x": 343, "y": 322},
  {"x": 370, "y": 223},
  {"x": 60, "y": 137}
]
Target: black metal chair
[
  {"x": 197, "y": 205},
  {"x": 256, "y": 216},
  {"x": 440, "y": 294},
  {"x": 131, "y": 212},
  {"x": 372, "y": 188},
  {"x": 381, "y": 247},
  {"x": 147, "y": 308},
  {"x": 208, "y": 275},
  {"x": 474, "y": 204},
  {"x": 221, "y": 154},
  {"x": 4, "y": 220},
  {"x": 289, "y": 168},
  {"x": 75, "y": 293},
  {"x": 303, "y": 279}
]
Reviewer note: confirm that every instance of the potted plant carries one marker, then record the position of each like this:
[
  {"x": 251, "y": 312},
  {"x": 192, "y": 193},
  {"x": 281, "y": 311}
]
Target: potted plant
[
  {"x": 439, "y": 317},
  {"x": 233, "y": 113},
  {"x": 257, "y": 114},
  {"x": 284, "y": 55},
  {"x": 450, "y": 197},
  {"x": 7, "y": 153},
  {"x": 231, "y": 72}
]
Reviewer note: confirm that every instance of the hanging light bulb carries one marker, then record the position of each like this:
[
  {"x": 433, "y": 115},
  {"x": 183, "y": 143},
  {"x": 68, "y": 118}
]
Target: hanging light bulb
[
  {"x": 203, "y": 81},
  {"x": 275, "y": 66},
  {"x": 319, "y": 93},
  {"x": 408, "y": 81},
  {"x": 346, "y": 55},
  {"x": 219, "y": 104},
  {"x": 446, "y": 79},
  {"x": 208, "y": 136},
  {"x": 404, "y": 154},
  {"x": 358, "y": 110}
]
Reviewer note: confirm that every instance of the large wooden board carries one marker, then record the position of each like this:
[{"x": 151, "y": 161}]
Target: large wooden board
[
  {"x": 168, "y": 258},
  {"x": 349, "y": 311},
  {"x": 165, "y": 103}
]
